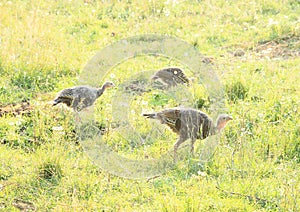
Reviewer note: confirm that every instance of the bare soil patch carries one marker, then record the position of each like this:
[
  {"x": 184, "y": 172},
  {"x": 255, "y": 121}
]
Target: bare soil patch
[
  {"x": 278, "y": 49},
  {"x": 22, "y": 108},
  {"x": 23, "y": 205},
  {"x": 283, "y": 48}
]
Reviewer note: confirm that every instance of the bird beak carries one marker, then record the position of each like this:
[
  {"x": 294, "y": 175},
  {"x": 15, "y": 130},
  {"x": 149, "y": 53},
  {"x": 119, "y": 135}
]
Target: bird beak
[{"x": 229, "y": 118}]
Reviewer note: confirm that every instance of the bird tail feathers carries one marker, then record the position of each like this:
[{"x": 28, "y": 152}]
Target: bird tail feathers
[
  {"x": 55, "y": 102},
  {"x": 150, "y": 115}
]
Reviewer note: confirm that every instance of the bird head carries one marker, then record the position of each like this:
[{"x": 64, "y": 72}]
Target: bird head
[
  {"x": 222, "y": 121},
  {"x": 108, "y": 85}
]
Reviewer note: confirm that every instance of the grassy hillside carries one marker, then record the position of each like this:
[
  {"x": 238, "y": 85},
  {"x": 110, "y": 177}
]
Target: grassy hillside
[{"x": 253, "y": 46}]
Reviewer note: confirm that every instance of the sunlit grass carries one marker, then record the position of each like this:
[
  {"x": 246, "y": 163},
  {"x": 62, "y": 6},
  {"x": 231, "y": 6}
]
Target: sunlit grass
[{"x": 44, "y": 46}]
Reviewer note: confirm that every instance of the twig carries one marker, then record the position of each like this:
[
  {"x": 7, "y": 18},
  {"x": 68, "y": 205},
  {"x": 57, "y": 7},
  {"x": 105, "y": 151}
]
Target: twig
[{"x": 152, "y": 178}]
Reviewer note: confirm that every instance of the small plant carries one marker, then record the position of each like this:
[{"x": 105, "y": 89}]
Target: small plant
[
  {"x": 236, "y": 91},
  {"x": 216, "y": 40},
  {"x": 159, "y": 100},
  {"x": 50, "y": 170},
  {"x": 201, "y": 103},
  {"x": 292, "y": 151},
  {"x": 5, "y": 172}
]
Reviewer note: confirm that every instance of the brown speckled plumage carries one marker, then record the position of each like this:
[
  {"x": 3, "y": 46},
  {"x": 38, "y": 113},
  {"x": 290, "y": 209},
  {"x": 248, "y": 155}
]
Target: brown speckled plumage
[
  {"x": 189, "y": 124},
  {"x": 171, "y": 76}
]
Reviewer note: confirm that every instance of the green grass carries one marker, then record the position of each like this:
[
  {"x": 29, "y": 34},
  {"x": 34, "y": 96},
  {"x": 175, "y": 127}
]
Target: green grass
[{"x": 44, "y": 46}]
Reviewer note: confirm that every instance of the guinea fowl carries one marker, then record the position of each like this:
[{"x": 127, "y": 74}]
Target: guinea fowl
[
  {"x": 190, "y": 123},
  {"x": 80, "y": 97},
  {"x": 171, "y": 77}
]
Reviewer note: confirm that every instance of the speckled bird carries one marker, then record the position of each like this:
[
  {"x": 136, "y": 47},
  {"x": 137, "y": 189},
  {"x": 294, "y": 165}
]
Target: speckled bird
[
  {"x": 80, "y": 97},
  {"x": 166, "y": 78},
  {"x": 189, "y": 124},
  {"x": 171, "y": 77}
]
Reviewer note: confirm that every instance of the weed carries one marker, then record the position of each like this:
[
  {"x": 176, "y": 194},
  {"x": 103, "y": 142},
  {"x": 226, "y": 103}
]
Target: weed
[
  {"x": 236, "y": 91},
  {"x": 50, "y": 170}
]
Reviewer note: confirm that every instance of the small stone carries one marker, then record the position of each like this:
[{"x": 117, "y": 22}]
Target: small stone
[{"x": 239, "y": 53}]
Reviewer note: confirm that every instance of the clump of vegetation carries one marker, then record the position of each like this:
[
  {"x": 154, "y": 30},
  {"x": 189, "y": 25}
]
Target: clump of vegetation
[
  {"x": 292, "y": 150},
  {"x": 50, "y": 170},
  {"x": 38, "y": 80},
  {"x": 236, "y": 91},
  {"x": 5, "y": 172},
  {"x": 159, "y": 99},
  {"x": 201, "y": 103}
]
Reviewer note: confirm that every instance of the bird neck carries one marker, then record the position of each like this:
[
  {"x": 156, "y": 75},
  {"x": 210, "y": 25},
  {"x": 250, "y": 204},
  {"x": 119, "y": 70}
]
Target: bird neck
[
  {"x": 215, "y": 129},
  {"x": 100, "y": 91}
]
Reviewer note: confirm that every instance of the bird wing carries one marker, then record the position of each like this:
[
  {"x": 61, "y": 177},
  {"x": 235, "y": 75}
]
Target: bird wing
[
  {"x": 172, "y": 118},
  {"x": 66, "y": 93},
  {"x": 205, "y": 128},
  {"x": 65, "y": 96}
]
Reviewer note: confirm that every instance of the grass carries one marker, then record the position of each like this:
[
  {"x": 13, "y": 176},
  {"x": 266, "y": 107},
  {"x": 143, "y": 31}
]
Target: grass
[{"x": 44, "y": 47}]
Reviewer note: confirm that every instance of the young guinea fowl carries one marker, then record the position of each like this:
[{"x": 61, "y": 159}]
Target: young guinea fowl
[
  {"x": 189, "y": 123},
  {"x": 80, "y": 97},
  {"x": 171, "y": 77}
]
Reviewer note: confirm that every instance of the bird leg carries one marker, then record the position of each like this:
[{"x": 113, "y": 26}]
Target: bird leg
[
  {"x": 192, "y": 145},
  {"x": 176, "y": 145}
]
